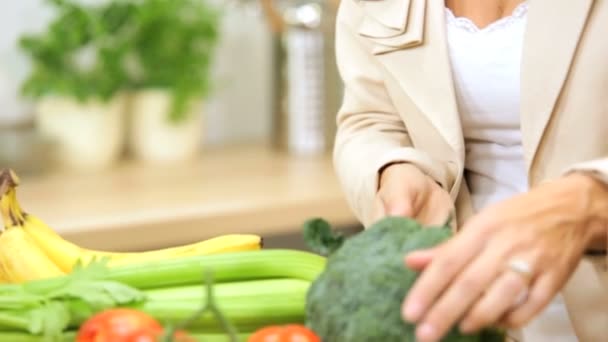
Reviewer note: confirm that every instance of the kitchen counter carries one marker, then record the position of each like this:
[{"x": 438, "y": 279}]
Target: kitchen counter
[{"x": 133, "y": 206}]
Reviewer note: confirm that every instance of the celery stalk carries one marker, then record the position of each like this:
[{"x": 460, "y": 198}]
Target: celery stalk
[
  {"x": 235, "y": 266},
  {"x": 25, "y": 337},
  {"x": 247, "y": 305},
  {"x": 239, "y": 290},
  {"x": 243, "y": 315},
  {"x": 11, "y": 320}
]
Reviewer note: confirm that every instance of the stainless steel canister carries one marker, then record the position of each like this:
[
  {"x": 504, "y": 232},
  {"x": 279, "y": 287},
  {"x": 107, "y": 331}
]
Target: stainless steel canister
[{"x": 306, "y": 87}]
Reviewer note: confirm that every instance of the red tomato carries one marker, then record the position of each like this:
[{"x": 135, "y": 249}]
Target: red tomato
[
  {"x": 284, "y": 333},
  {"x": 122, "y": 325},
  {"x": 150, "y": 336}
]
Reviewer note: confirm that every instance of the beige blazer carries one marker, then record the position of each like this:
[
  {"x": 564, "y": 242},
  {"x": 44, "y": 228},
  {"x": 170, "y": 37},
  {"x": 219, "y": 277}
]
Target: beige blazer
[{"x": 399, "y": 105}]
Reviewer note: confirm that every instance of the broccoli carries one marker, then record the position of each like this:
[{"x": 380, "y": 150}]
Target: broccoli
[{"x": 358, "y": 296}]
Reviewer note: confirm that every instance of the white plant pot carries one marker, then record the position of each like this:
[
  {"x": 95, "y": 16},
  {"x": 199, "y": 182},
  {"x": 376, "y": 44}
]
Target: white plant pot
[
  {"x": 154, "y": 138},
  {"x": 87, "y": 135}
]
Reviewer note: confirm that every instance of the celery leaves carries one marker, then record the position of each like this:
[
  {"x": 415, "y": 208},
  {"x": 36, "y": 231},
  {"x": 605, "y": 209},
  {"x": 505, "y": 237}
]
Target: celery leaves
[{"x": 50, "y": 305}]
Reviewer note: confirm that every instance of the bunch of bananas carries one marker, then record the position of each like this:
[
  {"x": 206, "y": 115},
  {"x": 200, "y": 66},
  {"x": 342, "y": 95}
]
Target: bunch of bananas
[{"x": 30, "y": 249}]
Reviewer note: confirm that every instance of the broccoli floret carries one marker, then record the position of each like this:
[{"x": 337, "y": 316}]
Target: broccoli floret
[{"x": 358, "y": 296}]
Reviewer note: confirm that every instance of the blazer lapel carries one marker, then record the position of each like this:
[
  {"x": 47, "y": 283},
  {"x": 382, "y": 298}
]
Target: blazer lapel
[
  {"x": 415, "y": 53},
  {"x": 553, "y": 30},
  {"x": 391, "y": 14}
]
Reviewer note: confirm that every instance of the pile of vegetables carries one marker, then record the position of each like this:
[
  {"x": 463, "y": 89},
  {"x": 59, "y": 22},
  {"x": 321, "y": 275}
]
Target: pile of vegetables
[
  {"x": 348, "y": 290},
  {"x": 168, "y": 300}
]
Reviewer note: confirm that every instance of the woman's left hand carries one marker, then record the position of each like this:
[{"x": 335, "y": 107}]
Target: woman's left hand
[{"x": 508, "y": 262}]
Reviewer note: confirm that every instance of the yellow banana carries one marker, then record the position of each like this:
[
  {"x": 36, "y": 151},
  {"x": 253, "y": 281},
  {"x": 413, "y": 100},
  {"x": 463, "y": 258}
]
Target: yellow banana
[
  {"x": 4, "y": 279},
  {"x": 22, "y": 260},
  {"x": 64, "y": 254}
]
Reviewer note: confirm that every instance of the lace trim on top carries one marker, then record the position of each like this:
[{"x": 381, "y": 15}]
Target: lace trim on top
[{"x": 465, "y": 23}]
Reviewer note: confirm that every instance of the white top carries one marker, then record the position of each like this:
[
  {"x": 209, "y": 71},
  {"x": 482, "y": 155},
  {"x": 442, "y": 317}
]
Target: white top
[
  {"x": 485, "y": 63},
  {"x": 486, "y": 71}
]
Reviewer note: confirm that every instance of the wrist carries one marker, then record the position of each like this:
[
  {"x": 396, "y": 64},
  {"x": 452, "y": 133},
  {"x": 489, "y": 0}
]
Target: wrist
[{"x": 595, "y": 193}]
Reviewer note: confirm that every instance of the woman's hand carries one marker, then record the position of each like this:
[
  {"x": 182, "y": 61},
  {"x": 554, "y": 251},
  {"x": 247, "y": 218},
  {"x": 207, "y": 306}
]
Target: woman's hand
[
  {"x": 407, "y": 191},
  {"x": 542, "y": 234}
]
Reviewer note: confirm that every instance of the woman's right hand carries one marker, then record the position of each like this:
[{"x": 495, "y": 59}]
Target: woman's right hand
[{"x": 406, "y": 191}]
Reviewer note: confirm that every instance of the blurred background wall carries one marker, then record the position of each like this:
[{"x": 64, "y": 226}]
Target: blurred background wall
[{"x": 16, "y": 18}]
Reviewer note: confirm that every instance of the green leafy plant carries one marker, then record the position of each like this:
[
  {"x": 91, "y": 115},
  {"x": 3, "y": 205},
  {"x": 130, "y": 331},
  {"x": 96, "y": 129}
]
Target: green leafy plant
[
  {"x": 97, "y": 51},
  {"x": 172, "y": 48},
  {"x": 80, "y": 53}
]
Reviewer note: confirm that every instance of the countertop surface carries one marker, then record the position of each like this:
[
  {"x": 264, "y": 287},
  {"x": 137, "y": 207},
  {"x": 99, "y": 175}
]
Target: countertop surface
[{"x": 242, "y": 189}]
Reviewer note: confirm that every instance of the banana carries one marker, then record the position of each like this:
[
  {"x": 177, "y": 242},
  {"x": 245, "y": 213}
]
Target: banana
[
  {"x": 215, "y": 245},
  {"x": 65, "y": 254},
  {"x": 4, "y": 279},
  {"x": 21, "y": 258}
]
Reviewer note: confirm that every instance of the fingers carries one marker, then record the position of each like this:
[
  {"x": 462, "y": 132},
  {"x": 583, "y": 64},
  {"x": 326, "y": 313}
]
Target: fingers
[
  {"x": 389, "y": 202},
  {"x": 436, "y": 208},
  {"x": 541, "y": 294},
  {"x": 464, "y": 291},
  {"x": 506, "y": 292},
  {"x": 419, "y": 259},
  {"x": 405, "y": 191},
  {"x": 455, "y": 254},
  {"x": 384, "y": 208},
  {"x": 397, "y": 195},
  {"x": 428, "y": 206},
  {"x": 486, "y": 291}
]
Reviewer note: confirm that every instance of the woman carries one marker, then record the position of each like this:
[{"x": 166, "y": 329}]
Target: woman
[{"x": 497, "y": 109}]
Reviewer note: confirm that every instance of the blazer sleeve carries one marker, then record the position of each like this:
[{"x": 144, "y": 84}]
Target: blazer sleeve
[
  {"x": 597, "y": 167},
  {"x": 370, "y": 132}
]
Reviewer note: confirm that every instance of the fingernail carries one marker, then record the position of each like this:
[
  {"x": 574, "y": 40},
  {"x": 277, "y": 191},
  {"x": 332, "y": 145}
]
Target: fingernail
[
  {"x": 426, "y": 332},
  {"x": 412, "y": 312}
]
